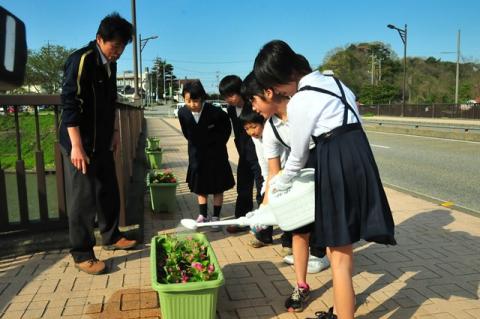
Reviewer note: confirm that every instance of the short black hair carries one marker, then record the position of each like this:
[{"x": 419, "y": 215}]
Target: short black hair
[
  {"x": 231, "y": 84},
  {"x": 277, "y": 63},
  {"x": 251, "y": 87},
  {"x": 114, "y": 27},
  {"x": 196, "y": 90},
  {"x": 248, "y": 115}
]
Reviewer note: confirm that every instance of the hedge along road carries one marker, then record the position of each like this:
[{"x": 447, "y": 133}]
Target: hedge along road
[{"x": 443, "y": 169}]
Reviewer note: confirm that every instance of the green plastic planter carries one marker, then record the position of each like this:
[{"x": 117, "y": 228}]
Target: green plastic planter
[
  {"x": 189, "y": 300},
  {"x": 162, "y": 195},
  {"x": 154, "y": 157},
  {"x": 153, "y": 142}
]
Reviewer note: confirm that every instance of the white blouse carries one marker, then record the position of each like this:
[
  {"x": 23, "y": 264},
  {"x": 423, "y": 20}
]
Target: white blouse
[
  {"x": 311, "y": 113},
  {"x": 272, "y": 147}
]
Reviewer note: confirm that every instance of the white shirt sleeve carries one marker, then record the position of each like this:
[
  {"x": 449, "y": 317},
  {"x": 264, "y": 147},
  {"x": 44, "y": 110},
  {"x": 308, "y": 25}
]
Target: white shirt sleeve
[
  {"x": 302, "y": 120},
  {"x": 262, "y": 161}
]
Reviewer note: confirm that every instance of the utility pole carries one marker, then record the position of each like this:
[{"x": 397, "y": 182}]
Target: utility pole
[
  {"x": 147, "y": 86},
  {"x": 151, "y": 87},
  {"x": 457, "y": 75},
  {"x": 171, "y": 86},
  {"x": 372, "y": 77},
  {"x": 379, "y": 70},
  {"x": 164, "y": 91},
  {"x": 458, "y": 68},
  {"x": 141, "y": 71}
]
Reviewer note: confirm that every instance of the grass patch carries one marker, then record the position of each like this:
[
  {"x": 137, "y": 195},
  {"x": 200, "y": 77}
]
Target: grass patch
[{"x": 8, "y": 142}]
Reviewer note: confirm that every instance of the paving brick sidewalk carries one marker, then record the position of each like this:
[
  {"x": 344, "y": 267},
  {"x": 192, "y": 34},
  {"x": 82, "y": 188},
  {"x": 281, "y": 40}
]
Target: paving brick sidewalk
[{"x": 434, "y": 272}]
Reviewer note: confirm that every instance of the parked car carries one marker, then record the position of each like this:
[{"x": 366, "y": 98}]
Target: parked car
[
  {"x": 178, "y": 106},
  {"x": 221, "y": 105}
]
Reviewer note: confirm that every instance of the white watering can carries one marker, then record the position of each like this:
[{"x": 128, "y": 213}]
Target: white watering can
[{"x": 289, "y": 211}]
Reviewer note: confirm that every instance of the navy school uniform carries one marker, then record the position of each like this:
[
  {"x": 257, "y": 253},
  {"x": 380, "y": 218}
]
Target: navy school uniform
[
  {"x": 209, "y": 171},
  {"x": 248, "y": 169},
  {"x": 350, "y": 202}
]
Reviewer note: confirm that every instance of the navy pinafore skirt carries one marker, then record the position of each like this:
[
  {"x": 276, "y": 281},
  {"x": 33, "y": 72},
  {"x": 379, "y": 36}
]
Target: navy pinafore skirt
[{"x": 350, "y": 202}]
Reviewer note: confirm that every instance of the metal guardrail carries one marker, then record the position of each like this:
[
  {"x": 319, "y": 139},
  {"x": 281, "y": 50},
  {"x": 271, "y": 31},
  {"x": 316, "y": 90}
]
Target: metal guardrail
[
  {"x": 437, "y": 110},
  {"x": 424, "y": 125},
  {"x": 130, "y": 126}
]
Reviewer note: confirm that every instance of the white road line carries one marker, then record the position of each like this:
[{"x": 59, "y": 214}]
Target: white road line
[
  {"x": 427, "y": 137},
  {"x": 379, "y": 146}
]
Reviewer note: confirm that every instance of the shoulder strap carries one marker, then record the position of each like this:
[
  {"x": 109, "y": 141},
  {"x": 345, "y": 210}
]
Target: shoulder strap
[
  {"x": 347, "y": 105},
  {"x": 343, "y": 98},
  {"x": 313, "y": 88},
  {"x": 277, "y": 135}
]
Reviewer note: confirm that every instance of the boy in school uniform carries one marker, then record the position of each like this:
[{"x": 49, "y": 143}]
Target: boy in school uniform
[
  {"x": 253, "y": 124},
  {"x": 276, "y": 138},
  {"x": 207, "y": 129},
  {"x": 248, "y": 169}
]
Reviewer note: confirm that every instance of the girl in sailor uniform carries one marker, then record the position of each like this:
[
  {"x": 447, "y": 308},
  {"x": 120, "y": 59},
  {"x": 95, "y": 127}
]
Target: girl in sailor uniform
[{"x": 350, "y": 202}]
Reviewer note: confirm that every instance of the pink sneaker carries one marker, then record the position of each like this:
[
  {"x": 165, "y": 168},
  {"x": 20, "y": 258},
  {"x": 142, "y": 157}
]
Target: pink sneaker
[{"x": 202, "y": 219}]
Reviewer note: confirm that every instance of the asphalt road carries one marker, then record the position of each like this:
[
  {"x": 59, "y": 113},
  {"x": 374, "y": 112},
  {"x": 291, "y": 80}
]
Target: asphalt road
[{"x": 447, "y": 170}]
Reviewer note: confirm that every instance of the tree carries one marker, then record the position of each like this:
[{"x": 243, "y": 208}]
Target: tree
[
  {"x": 429, "y": 80},
  {"x": 45, "y": 68},
  {"x": 353, "y": 64},
  {"x": 160, "y": 79}
]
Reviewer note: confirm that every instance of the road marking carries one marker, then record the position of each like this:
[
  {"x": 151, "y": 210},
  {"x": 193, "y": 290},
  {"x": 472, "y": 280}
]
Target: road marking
[
  {"x": 427, "y": 137},
  {"x": 380, "y": 146},
  {"x": 447, "y": 204}
]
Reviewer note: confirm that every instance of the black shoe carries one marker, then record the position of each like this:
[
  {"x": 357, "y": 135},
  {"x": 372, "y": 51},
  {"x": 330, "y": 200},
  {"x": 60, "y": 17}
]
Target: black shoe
[
  {"x": 325, "y": 315},
  {"x": 296, "y": 302}
]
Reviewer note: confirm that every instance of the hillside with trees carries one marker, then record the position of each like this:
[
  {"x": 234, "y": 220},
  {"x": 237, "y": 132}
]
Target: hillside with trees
[{"x": 375, "y": 74}]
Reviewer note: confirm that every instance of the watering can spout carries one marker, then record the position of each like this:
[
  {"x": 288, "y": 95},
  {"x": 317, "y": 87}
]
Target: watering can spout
[{"x": 290, "y": 211}]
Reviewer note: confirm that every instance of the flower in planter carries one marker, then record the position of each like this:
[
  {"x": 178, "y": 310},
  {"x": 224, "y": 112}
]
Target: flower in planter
[
  {"x": 182, "y": 261},
  {"x": 163, "y": 176}
]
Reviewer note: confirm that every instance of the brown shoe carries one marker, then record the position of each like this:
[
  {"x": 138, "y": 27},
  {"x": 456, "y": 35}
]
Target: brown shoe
[
  {"x": 255, "y": 243},
  {"x": 122, "y": 243},
  {"x": 91, "y": 267}
]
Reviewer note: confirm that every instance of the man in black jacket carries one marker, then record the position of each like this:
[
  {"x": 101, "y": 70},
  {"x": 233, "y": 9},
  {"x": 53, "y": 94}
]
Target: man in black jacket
[
  {"x": 88, "y": 138},
  {"x": 248, "y": 169}
]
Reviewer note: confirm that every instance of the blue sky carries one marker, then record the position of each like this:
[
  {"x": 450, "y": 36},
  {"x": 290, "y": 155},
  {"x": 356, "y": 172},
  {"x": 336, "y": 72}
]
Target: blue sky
[{"x": 210, "y": 39}]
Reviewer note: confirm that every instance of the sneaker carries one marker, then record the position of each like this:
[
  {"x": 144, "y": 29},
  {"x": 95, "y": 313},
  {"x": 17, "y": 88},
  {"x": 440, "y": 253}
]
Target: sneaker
[
  {"x": 255, "y": 243},
  {"x": 296, "y": 302},
  {"x": 202, "y": 219},
  {"x": 316, "y": 264},
  {"x": 121, "y": 244},
  {"x": 288, "y": 259},
  {"x": 215, "y": 228},
  {"x": 92, "y": 266},
  {"x": 286, "y": 251},
  {"x": 325, "y": 315}
]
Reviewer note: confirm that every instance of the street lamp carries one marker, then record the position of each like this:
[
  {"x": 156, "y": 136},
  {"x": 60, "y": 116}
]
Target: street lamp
[
  {"x": 403, "y": 36},
  {"x": 143, "y": 43}
]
